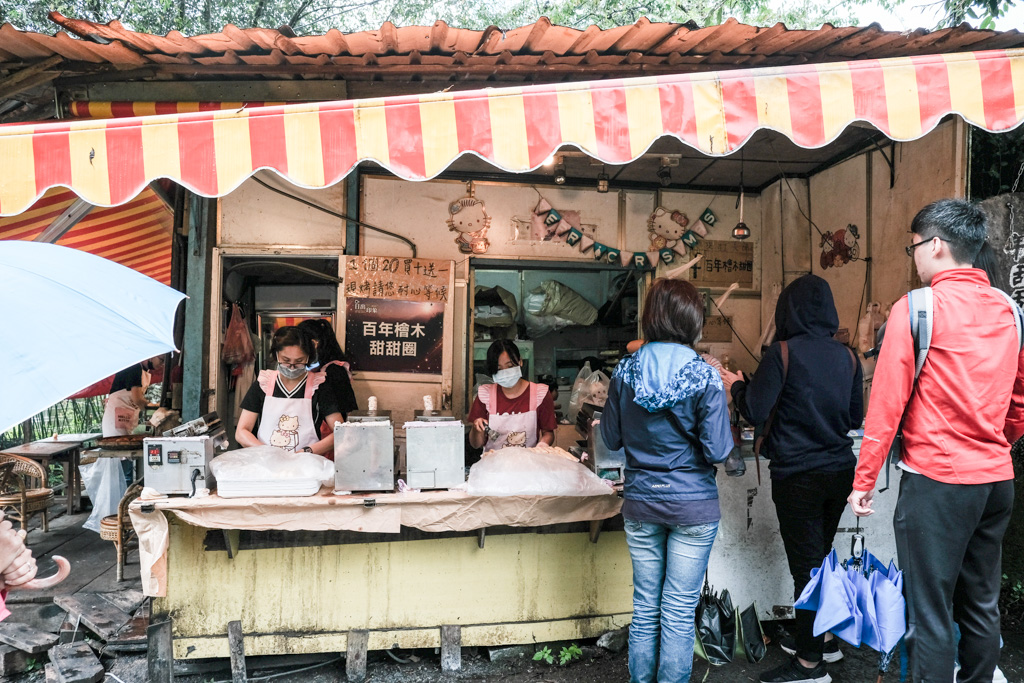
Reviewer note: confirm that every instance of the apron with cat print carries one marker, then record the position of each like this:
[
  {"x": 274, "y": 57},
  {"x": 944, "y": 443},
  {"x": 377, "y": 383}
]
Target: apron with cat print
[
  {"x": 511, "y": 429},
  {"x": 120, "y": 414},
  {"x": 288, "y": 422}
]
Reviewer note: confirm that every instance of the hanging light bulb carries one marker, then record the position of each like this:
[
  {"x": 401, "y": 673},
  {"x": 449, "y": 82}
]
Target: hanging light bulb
[
  {"x": 664, "y": 173},
  {"x": 741, "y": 231},
  {"x": 602, "y": 181},
  {"x": 559, "y": 170}
]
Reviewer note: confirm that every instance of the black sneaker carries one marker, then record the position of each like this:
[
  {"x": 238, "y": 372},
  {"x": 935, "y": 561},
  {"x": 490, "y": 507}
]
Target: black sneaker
[
  {"x": 830, "y": 654},
  {"x": 792, "y": 672}
]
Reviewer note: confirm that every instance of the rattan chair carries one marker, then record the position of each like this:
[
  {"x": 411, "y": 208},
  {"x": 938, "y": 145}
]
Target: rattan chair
[
  {"x": 118, "y": 529},
  {"x": 20, "y": 498}
]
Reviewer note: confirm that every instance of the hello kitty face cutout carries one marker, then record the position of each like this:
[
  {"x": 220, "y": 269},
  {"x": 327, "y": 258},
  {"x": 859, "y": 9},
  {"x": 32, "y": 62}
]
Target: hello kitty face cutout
[
  {"x": 665, "y": 228},
  {"x": 467, "y": 217}
]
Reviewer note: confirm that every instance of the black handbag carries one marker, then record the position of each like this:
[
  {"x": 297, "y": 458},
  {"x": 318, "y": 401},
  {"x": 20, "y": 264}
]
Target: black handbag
[
  {"x": 750, "y": 636},
  {"x": 715, "y": 637}
]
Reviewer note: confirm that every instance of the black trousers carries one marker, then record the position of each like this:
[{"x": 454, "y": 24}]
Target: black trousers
[
  {"x": 949, "y": 539},
  {"x": 809, "y": 506}
]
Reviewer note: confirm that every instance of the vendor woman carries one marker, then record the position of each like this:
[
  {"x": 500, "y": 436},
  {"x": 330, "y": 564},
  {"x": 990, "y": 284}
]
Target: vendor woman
[
  {"x": 286, "y": 407},
  {"x": 512, "y": 411}
]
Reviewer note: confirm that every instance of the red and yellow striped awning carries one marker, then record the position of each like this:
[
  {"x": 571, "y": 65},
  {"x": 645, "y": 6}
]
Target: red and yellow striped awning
[
  {"x": 136, "y": 234},
  {"x": 111, "y": 110},
  {"x": 107, "y": 162}
]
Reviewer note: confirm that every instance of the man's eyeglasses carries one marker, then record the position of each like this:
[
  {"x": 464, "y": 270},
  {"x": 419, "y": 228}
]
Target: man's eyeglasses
[{"x": 915, "y": 245}]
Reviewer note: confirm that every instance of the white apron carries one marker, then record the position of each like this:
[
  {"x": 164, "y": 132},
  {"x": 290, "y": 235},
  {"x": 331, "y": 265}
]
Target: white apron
[
  {"x": 120, "y": 414},
  {"x": 512, "y": 429},
  {"x": 288, "y": 422}
]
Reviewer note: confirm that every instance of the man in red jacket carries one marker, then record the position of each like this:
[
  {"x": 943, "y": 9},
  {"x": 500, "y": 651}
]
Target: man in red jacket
[{"x": 956, "y": 490}]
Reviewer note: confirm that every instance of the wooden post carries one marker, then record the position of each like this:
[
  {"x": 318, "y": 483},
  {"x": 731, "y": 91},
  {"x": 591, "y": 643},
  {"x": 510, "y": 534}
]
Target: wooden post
[
  {"x": 355, "y": 659},
  {"x": 161, "y": 654},
  {"x": 236, "y": 647},
  {"x": 451, "y": 647}
]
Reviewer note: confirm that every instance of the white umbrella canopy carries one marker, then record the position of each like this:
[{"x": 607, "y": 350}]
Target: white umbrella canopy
[{"x": 69, "y": 319}]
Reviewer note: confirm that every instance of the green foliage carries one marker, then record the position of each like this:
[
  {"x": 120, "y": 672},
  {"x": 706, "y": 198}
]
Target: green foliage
[
  {"x": 565, "y": 655},
  {"x": 1012, "y": 593},
  {"x": 193, "y": 17},
  {"x": 569, "y": 654}
]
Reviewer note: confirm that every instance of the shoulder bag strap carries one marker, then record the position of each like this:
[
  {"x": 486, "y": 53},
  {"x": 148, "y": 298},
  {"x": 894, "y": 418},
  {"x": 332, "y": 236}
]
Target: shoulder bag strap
[{"x": 784, "y": 350}]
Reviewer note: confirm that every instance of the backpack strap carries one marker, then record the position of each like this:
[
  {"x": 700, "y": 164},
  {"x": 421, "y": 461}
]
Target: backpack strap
[
  {"x": 1018, "y": 318},
  {"x": 921, "y": 305},
  {"x": 759, "y": 444}
]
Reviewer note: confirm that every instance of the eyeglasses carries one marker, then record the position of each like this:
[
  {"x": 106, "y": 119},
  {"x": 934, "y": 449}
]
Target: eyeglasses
[
  {"x": 915, "y": 245},
  {"x": 293, "y": 366}
]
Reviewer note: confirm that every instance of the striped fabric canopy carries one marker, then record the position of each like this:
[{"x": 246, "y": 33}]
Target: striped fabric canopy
[
  {"x": 108, "y": 162},
  {"x": 136, "y": 234}
]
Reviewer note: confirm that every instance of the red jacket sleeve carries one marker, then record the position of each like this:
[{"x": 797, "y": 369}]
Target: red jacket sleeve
[
  {"x": 1014, "y": 428},
  {"x": 890, "y": 391}
]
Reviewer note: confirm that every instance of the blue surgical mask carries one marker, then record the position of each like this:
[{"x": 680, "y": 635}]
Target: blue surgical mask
[
  {"x": 291, "y": 373},
  {"x": 508, "y": 377}
]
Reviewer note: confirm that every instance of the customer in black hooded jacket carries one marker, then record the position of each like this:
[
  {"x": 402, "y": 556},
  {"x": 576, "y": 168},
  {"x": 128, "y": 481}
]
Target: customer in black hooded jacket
[{"x": 811, "y": 456}]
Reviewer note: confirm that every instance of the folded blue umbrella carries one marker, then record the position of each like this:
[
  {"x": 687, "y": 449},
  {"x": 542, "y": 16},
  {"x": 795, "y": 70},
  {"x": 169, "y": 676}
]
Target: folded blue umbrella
[
  {"x": 860, "y": 601},
  {"x": 832, "y": 596}
]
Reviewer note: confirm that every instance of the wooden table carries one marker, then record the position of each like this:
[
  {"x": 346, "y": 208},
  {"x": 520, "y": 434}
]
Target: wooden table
[
  {"x": 91, "y": 454},
  {"x": 64, "y": 449}
]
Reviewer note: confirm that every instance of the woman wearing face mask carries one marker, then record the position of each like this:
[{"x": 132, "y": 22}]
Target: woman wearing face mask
[
  {"x": 512, "y": 411},
  {"x": 286, "y": 407}
]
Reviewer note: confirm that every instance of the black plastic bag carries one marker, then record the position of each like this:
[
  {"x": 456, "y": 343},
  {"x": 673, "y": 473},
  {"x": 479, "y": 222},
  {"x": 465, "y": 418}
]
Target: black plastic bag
[
  {"x": 750, "y": 636},
  {"x": 715, "y": 638}
]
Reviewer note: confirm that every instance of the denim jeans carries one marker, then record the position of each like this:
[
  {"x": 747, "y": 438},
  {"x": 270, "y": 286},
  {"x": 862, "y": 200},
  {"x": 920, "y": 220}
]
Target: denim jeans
[{"x": 669, "y": 562}]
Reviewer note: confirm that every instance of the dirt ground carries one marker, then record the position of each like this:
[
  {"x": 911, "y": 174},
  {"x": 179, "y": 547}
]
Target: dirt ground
[{"x": 596, "y": 666}]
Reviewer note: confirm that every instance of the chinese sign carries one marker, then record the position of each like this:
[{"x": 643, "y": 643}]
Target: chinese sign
[
  {"x": 717, "y": 329},
  {"x": 724, "y": 262},
  {"x": 403, "y": 279},
  {"x": 383, "y": 335}
]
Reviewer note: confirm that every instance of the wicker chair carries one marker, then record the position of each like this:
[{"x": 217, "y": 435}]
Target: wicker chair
[
  {"x": 118, "y": 529},
  {"x": 19, "y": 497}
]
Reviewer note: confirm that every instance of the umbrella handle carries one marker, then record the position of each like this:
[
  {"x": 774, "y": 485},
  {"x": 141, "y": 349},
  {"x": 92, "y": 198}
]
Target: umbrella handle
[{"x": 857, "y": 546}]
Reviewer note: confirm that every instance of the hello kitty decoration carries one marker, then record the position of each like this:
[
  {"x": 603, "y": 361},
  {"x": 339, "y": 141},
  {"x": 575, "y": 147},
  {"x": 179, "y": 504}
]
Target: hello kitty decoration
[{"x": 468, "y": 218}]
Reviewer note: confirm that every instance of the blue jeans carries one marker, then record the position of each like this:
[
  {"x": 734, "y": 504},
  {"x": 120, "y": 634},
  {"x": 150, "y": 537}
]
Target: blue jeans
[{"x": 668, "y": 570}]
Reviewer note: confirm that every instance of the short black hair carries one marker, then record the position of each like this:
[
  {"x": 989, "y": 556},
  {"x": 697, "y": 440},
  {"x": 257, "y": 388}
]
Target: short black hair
[
  {"x": 673, "y": 312},
  {"x": 290, "y": 335},
  {"x": 498, "y": 347},
  {"x": 957, "y": 222}
]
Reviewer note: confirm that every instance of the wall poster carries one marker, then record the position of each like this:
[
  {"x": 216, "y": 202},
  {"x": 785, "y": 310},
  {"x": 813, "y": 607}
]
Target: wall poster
[{"x": 395, "y": 313}]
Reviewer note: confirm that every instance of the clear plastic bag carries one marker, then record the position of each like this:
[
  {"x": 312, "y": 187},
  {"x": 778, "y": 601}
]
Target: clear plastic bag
[
  {"x": 533, "y": 472},
  {"x": 269, "y": 463},
  {"x": 105, "y": 485},
  {"x": 577, "y": 387},
  {"x": 594, "y": 389},
  {"x": 237, "y": 348}
]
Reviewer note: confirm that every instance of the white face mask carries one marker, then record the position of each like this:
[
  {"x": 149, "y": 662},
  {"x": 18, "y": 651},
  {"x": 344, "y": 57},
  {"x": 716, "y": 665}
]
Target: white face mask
[{"x": 508, "y": 377}]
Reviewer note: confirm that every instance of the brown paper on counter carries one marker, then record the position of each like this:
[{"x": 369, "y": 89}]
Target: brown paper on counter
[{"x": 435, "y": 511}]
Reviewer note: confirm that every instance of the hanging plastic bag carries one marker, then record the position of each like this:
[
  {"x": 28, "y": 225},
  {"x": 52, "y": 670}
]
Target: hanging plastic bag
[
  {"x": 105, "y": 485},
  {"x": 574, "y": 398},
  {"x": 867, "y": 328},
  {"x": 594, "y": 389},
  {"x": 237, "y": 348},
  {"x": 715, "y": 638}
]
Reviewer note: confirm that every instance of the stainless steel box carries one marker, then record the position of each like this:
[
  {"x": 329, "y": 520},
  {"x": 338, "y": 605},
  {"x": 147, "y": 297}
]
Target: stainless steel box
[
  {"x": 603, "y": 459},
  {"x": 169, "y": 463},
  {"x": 364, "y": 452},
  {"x": 435, "y": 452}
]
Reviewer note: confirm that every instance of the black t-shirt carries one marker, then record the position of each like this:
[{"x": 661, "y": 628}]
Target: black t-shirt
[
  {"x": 324, "y": 402},
  {"x": 341, "y": 386},
  {"x": 128, "y": 378}
]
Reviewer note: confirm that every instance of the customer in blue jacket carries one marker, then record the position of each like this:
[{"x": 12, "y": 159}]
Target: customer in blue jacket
[
  {"x": 667, "y": 408},
  {"x": 812, "y": 460}
]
